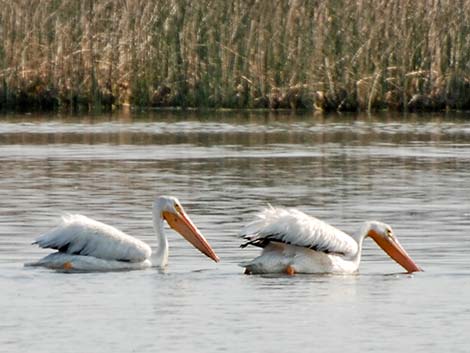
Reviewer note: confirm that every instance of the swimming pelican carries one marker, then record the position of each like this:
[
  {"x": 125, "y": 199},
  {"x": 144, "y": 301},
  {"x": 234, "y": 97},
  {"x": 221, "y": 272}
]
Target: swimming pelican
[
  {"x": 294, "y": 242},
  {"x": 84, "y": 244}
]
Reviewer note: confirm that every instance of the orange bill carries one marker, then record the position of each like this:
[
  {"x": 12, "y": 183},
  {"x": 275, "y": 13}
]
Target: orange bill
[
  {"x": 393, "y": 248},
  {"x": 181, "y": 223}
]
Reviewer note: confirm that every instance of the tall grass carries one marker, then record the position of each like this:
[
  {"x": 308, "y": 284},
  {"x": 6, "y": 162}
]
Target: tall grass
[{"x": 312, "y": 54}]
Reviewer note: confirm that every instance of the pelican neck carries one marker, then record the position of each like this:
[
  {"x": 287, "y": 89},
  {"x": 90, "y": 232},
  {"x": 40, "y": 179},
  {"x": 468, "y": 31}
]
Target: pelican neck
[{"x": 160, "y": 254}]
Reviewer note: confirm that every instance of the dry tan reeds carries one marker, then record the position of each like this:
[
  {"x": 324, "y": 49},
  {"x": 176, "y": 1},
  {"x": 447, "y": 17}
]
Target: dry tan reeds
[{"x": 293, "y": 54}]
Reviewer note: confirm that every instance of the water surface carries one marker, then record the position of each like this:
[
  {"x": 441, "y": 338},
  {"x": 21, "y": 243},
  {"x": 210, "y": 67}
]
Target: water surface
[{"x": 411, "y": 172}]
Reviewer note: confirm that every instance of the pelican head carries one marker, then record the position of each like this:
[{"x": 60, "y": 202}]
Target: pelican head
[
  {"x": 170, "y": 209},
  {"x": 383, "y": 235}
]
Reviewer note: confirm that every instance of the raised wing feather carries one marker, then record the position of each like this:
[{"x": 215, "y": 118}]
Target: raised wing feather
[
  {"x": 291, "y": 226},
  {"x": 80, "y": 235}
]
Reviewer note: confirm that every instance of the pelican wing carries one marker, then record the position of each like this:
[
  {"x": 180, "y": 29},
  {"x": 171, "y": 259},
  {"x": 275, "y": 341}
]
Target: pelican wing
[
  {"x": 80, "y": 235},
  {"x": 291, "y": 226}
]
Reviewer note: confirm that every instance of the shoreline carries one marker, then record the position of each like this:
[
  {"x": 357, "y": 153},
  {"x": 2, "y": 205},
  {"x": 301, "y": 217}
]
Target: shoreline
[{"x": 315, "y": 102}]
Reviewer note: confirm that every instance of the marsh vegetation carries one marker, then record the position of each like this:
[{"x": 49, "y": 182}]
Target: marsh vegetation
[{"x": 331, "y": 55}]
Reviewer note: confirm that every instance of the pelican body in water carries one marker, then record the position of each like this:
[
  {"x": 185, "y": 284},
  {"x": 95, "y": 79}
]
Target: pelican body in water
[
  {"x": 294, "y": 242},
  {"x": 84, "y": 244}
]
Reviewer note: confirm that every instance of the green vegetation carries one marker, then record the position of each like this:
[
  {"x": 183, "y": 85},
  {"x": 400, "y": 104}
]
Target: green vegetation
[{"x": 295, "y": 54}]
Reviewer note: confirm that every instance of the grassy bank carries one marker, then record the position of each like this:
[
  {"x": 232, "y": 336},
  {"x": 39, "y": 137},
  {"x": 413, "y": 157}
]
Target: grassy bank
[{"x": 330, "y": 55}]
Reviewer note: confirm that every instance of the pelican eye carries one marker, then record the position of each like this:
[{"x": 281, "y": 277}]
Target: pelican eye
[
  {"x": 178, "y": 208},
  {"x": 389, "y": 233}
]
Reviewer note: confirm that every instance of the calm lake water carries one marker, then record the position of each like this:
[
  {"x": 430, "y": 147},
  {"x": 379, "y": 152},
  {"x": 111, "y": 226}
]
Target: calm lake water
[{"x": 412, "y": 172}]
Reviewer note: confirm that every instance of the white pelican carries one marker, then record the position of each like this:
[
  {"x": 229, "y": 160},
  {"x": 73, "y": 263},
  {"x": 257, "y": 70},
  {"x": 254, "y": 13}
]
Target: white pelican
[
  {"x": 294, "y": 242},
  {"x": 84, "y": 244}
]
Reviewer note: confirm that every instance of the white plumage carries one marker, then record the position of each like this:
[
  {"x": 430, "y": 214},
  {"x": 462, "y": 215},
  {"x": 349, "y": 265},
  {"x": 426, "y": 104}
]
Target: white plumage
[
  {"x": 294, "y": 242},
  {"x": 293, "y": 227},
  {"x": 80, "y": 235}
]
